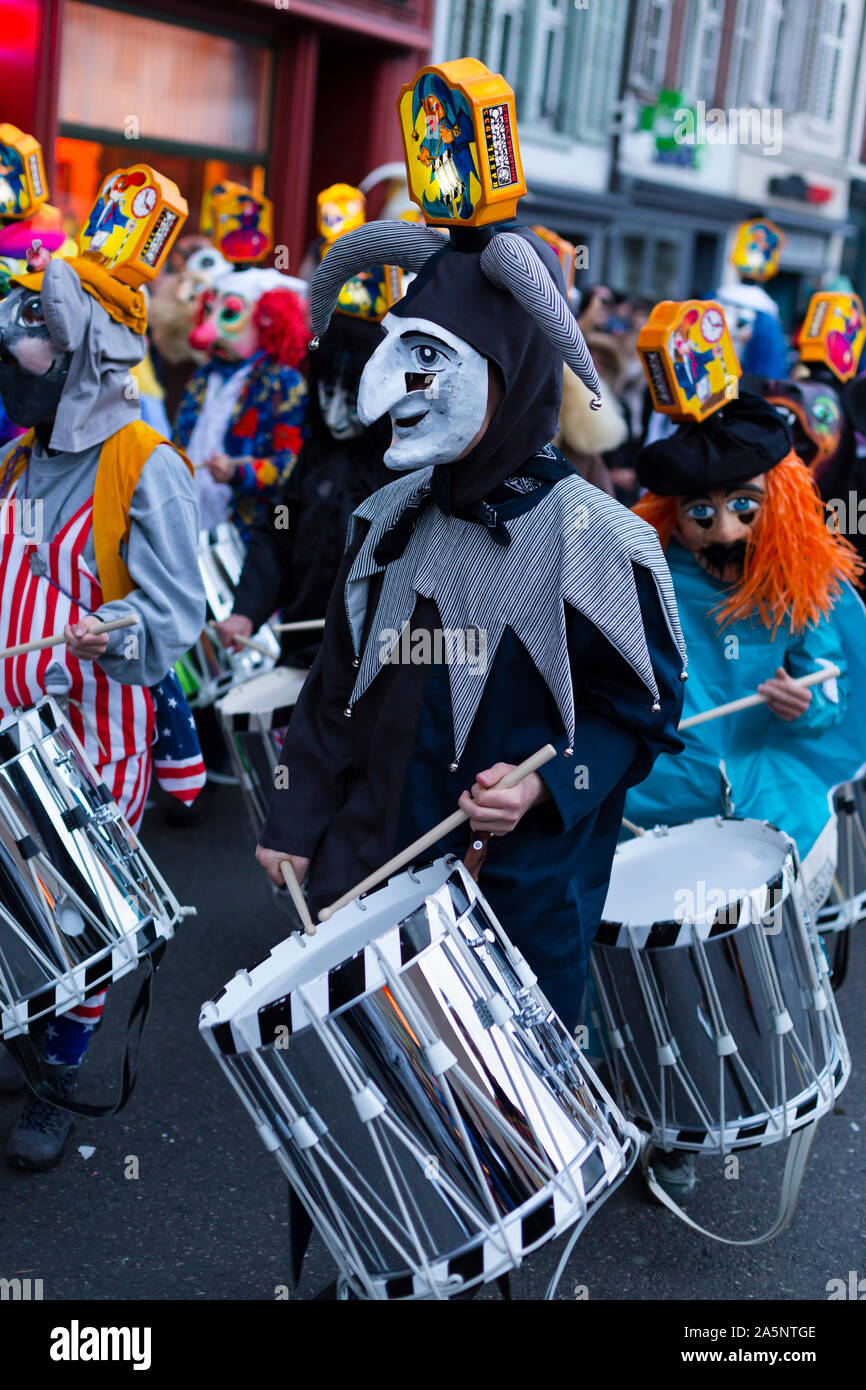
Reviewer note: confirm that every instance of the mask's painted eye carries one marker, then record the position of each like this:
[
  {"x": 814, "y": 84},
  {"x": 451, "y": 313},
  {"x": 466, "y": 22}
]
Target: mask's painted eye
[
  {"x": 428, "y": 356},
  {"x": 701, "y": 511},
  {"x": 825, "y": 411},
  {"x": 743, "y": 506},
  {"x": 231, "y": 310},
  {"x": 31, "y": 313}
]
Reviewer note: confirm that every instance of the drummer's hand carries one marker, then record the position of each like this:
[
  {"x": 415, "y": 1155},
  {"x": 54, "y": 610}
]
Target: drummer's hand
[
  {"x": 235, "y": 626},
  {"x": 786, "y": 698},
  {"x": 83, "y": 643},
  {"x": 221, "y": 467},
  {"x": 498, "y": 812},
  {"x": 271, "y": 859}
]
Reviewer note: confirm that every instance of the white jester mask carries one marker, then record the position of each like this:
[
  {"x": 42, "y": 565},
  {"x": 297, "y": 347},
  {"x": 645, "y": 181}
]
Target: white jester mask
[{"x": 434, "y": 387}]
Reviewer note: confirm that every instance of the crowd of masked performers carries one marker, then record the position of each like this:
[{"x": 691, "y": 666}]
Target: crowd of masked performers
[{"x": 436, "y": 380}]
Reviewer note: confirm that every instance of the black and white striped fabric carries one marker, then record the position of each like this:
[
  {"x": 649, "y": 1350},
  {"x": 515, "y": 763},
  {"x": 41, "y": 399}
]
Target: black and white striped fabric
[
  {"x": 576, "y": 546},
  {"x": 376, "y": 243},
  {"x": 509, "y": 262}
]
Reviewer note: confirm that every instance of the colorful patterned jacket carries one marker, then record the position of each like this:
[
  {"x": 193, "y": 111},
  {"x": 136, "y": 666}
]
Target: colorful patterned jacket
[{"x": 267, "y": 425}]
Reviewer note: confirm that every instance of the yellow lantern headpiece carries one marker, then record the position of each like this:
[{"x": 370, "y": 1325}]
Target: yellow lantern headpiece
[
  {"x": 689, "y": 359},
  {"x": 460, "y": 141},
  {"x": 833, "y": 333}
]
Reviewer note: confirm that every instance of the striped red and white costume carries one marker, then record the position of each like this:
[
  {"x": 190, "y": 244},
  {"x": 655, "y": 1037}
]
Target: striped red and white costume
[{"x": 113, "y": 721}]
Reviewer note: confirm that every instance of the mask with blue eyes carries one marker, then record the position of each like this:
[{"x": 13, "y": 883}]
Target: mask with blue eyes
[{"x": 434, "y": 387}]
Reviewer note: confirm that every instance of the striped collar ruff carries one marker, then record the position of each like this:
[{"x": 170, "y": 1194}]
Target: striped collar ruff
[{"x": 577, "y": 546}]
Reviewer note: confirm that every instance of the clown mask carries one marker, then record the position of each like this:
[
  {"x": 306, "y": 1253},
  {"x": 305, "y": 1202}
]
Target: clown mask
[
  {"x": 716, "y": 527},
  {"x": 433, "y": 385},
  {"x": 225, "y": 329},
  {"x": 33, "y": 369}
]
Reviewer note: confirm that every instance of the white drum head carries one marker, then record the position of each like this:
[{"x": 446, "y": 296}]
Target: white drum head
[
  {"x": 260, "y": 694},
  {"x": 688, "y": 873}
]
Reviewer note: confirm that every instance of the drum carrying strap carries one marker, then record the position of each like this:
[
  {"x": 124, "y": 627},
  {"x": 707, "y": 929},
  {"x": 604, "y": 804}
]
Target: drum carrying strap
[
  {"x": 792, "y": 1178},
  {"x": 23, "y": 1052}
]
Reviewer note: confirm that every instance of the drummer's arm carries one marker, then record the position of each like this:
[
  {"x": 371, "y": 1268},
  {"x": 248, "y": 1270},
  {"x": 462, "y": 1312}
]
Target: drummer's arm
[
  {"x": 819, "y": 646},
  {"x": 319, "y": 746},
  {"x": 161, "y": 557},
  {"x": 617, "y": 738},
  {"x": 261, "y": 589}
]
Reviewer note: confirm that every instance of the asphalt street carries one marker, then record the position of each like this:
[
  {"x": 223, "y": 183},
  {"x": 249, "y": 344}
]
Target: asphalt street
[{"x": 206, "y": 1216}]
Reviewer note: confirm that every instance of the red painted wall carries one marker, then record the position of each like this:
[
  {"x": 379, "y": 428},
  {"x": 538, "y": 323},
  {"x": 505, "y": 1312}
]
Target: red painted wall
[
  {"x": 339, "y": 66},
  {"x": 30, "y": 32}
]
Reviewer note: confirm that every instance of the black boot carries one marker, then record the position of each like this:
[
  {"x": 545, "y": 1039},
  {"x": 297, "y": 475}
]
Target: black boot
[
  {"x": 11, "y": 1080},
  {"x": 39, "y": 1138}
]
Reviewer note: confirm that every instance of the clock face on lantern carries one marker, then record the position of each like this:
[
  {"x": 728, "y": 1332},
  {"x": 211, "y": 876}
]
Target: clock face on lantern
[
  {"x": 144, "y": 202},
  {"x": 712, "y": 325}
]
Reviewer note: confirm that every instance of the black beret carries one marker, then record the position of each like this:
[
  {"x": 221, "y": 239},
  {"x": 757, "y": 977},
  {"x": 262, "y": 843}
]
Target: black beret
[{"x": 743, "y": 438}]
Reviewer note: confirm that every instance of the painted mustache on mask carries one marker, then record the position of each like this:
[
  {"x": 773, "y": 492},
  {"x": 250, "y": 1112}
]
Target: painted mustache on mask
[{"x": 719, "y": 557}]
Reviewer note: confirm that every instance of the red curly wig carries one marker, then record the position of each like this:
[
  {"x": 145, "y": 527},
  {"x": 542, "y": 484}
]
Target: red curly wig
[
  {"x": 281, "y": 321},
  {"x": 796, "y": 560}
]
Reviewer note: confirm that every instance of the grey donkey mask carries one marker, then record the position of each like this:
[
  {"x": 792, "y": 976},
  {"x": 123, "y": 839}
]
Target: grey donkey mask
[{"x": 63, "y": 358}]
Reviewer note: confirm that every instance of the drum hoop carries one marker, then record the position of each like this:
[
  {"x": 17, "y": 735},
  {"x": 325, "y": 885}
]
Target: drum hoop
[
  {"x": 343, "y": 984},
  {"x": 737, "y": 915}
]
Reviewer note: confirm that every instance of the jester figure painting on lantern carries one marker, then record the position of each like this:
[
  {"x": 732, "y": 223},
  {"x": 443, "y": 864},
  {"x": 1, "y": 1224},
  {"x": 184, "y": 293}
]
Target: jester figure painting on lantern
[{"x": 443, "y": 128}]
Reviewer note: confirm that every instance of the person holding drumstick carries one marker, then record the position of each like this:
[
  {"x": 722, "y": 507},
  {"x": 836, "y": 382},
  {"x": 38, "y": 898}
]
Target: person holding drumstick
[
  {"x": 98, "y": 520},
  {"x": 764, "y": 590},
  {"x": 489, "y": 601}
]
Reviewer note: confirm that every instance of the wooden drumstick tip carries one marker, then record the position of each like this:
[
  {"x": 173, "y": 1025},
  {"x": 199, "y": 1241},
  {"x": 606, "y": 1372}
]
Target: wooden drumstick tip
[{"x": 291, "y": 881}]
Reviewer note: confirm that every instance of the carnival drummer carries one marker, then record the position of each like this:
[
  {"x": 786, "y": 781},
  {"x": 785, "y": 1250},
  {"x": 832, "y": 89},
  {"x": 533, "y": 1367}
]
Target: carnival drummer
[
  {"x": 119, "y": 529},
  {"x": 490, "y": 529}
]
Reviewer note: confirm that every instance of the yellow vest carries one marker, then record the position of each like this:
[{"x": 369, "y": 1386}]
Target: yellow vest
[{"x": 121, "y": 460}]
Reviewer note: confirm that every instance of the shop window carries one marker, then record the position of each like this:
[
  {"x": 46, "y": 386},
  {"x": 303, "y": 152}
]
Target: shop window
[
  {"x": 133, "y": 89},
  {"x": 649, "y": 49},
  {"x": 702, "y": 39}
]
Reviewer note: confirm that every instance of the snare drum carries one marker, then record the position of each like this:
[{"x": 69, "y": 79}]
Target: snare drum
[
  {"x": 209, "y": 669},
  {"x": 80, "y": 901},
  {"x": 254, "y": 716},
  {"x": 713, "y": 989},
  {"x": 432, "y": 1113}
]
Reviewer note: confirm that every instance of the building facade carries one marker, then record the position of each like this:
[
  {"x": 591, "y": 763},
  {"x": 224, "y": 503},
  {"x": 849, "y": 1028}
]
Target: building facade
[
  {"x": 284, "y": 95},
  {"x": 650, "y": 128}
]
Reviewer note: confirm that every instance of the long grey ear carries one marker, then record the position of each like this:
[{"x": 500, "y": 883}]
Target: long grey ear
[
  {"x": 510, "y": 263},
  {"x": 377, "y": 243}
]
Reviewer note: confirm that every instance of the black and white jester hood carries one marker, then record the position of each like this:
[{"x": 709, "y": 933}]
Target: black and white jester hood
[{"x": 499, "y": 291}]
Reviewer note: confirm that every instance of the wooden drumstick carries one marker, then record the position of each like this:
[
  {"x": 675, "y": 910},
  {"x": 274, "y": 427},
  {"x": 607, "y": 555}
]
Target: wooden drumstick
[
  {"x": 444, "y": 827},
  {"x": 827, "y": 673},
  {"x": 291, "y": 880},
  {"x": 244, "y": 641},
  {"x": 308, "y": 625},
  {"x": 131, "y": 620}
]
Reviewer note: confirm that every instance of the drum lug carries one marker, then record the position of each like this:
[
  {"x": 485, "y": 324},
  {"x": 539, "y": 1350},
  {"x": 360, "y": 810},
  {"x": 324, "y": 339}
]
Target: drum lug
[
  {"x": 782, "y": 1022},
  {"x": 268, "y": 1137},
  {"x": 439, "y": 1057},
  {"x": 725, "y": 1045},
  {"x": 369, "y": 1103},
  {"x": 493, "y": 1010},
  {"x": 526, "y": 976},
  {"x": 303, "y": 1133}
]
